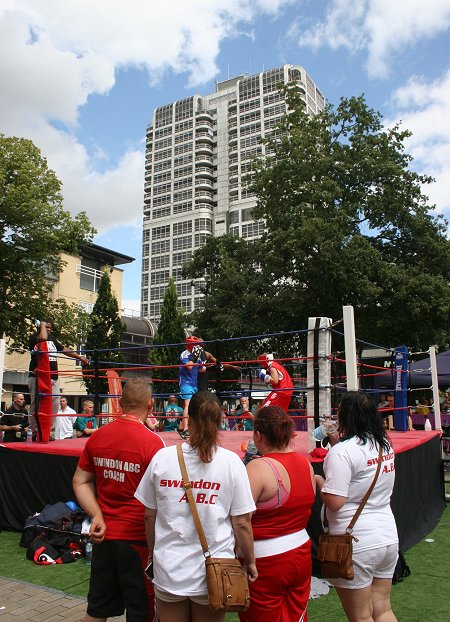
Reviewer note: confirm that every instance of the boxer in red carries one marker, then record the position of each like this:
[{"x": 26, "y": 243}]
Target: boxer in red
[{"x": 276, "y": 376}]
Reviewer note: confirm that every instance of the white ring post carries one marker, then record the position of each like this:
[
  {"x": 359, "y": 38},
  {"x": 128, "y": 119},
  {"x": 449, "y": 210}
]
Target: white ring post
[
  {"x": 351, "y": 367},
  {"x": 324, "y": 373},
  {"x": 435, "y": 387}
]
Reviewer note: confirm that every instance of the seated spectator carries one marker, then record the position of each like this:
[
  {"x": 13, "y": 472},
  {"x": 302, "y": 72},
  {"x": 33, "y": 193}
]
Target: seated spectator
[
  {"x": 172, "y": 415},
  {"x": 87, "y": 424},
  {"x": 243, "y": 416},
  {"x": 14, "y": 422},
  {"x": 422, "y": 407},
  {"x": 64, "y": 420},
  {"x": 382, "y": 402},
  {"x": 224, "y": 422}
]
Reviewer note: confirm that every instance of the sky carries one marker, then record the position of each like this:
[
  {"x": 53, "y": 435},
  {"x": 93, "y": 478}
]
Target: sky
[{"x": 81, "y": 79}]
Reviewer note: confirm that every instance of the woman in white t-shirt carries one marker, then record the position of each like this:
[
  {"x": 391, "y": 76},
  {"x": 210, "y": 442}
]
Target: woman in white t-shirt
[
  {"x": 349, "y": 468},
  {"x": 224, "y": 501}
]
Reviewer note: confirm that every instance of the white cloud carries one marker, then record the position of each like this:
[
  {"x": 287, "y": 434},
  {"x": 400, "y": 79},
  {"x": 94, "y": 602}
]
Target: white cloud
[
  {"x": 380, "y": 27},
  {"x": 54, "y": 55},
  {"x": 424, "y": 108}
]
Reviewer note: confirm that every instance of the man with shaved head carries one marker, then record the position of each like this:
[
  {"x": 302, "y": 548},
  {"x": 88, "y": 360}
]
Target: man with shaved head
[{"x": 109, "y": 470}]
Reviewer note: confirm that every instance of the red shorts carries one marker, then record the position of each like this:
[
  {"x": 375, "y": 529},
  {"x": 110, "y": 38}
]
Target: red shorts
[
  {"x": 281, "y": 591},
  {"x": 278, "y": 398}
]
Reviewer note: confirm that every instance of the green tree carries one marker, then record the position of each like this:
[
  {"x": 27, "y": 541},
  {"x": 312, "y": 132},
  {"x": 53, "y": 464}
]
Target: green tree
[
  {"x": 34, "y": 230},
  {"x": 170, "y": 331},
  {"x": 70, "y": 323},
  {"x": 103, "y": 338},
  {"x": 235, "y": 301},
  {"x": 347, "y": 222}
]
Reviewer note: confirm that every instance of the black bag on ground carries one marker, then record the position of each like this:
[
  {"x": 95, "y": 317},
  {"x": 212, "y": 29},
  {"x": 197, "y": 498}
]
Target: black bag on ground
[
  {"x": 401, "y": 569},
  {"x": 56, "y": 516}
]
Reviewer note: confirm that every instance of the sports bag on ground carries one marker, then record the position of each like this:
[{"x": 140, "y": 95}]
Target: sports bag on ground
[{"x": 225, "y": 577}]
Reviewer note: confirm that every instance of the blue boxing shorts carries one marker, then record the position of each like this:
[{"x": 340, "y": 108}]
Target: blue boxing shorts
[{"x": 187, "y": 391}]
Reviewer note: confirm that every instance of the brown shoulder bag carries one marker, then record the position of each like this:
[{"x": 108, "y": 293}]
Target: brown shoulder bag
[
  {"x": 225, "y": 577},
  {"x": 335, "y": 551}
]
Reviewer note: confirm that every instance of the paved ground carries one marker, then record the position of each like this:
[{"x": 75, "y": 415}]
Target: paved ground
[{"x": 23, "y": 602}]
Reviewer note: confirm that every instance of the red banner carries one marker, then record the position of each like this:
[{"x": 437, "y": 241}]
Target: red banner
[{"x": 115, "y": 391}]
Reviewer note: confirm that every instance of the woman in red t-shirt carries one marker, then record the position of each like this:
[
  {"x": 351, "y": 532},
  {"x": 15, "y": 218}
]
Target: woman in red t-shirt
[{"x": 283, "y": 488}]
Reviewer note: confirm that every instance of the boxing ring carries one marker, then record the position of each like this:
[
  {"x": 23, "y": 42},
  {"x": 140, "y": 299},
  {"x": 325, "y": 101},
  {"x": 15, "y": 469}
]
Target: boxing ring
[{"x": 33, "y": 475}]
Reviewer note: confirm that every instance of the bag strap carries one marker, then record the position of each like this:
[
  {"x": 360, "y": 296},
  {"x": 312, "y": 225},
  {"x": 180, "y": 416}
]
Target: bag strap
[
  {"x": 363, "y": 500},
  {"x": 190, "y": 497}
]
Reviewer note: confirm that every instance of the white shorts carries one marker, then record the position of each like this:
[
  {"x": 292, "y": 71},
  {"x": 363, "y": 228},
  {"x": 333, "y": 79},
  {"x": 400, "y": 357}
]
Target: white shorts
[
  {"x": 167, "y": 597},
  {"x": 368, "y": 565}
]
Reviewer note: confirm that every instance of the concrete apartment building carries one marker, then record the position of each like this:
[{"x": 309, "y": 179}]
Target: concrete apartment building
[
  {"x": 77, "y": 283},
  {"x": 198, "y": 150}
]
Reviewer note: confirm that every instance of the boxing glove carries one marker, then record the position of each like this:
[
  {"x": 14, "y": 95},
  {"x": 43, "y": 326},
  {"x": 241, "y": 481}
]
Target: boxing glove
[
  {"x": 263, "y": 375},
  {"x": 197, "y": 351}
]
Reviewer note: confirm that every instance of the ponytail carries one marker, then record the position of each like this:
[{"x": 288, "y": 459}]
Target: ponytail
[{"x": 205, "y": 413}]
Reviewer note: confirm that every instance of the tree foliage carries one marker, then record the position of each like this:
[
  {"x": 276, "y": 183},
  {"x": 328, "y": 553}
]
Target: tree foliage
[
  {"x": 347, "y": 222},
  {"x": 34, "y": 230},
  {"x": 103, "y": 337},
  {"x": 170, "y": 331}
]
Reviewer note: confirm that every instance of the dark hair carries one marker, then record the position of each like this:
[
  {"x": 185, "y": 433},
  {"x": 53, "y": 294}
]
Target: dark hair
[
  {"x": 275, "y": 425},
  {"x": 358, "y": 416},
  {"x": 205, "y": 412}
]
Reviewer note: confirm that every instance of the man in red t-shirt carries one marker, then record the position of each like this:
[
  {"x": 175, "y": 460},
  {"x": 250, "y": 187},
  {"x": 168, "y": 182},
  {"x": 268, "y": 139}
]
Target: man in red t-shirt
[
  {"x": 109, "y": 470},
  {"x": 277, "y": 377}
]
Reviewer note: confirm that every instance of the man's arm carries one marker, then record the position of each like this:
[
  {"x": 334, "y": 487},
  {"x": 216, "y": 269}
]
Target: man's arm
[
  {"x": 242, "y": 528},
  {"x": 74, "y": 355},
  {"x": 84, "y": 489}
]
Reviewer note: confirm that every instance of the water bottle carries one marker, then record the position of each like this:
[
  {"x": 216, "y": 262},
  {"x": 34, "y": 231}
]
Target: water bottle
[
  {"x": 427, "y": 425},
  {"x": 250, "y": 452},
  {"x": 328, "y": 428},
  {"x": 88, "y": 553},
  {"x": 29, "y": 436}
]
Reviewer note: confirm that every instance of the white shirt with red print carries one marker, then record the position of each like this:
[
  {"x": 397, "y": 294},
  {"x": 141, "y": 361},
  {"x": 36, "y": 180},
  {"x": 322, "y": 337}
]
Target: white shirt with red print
[
  {"x": 349, "y": 468},
  {"x": 221, "y": 489}
]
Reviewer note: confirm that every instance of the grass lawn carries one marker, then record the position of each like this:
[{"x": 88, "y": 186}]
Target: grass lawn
[{"x": 419, "y": 597}]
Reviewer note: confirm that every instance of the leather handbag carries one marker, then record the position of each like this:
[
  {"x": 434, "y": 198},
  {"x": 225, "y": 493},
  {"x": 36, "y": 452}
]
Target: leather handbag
[
  {"x": 225, "y": 577},
  {"x": 335, "y": 551}
]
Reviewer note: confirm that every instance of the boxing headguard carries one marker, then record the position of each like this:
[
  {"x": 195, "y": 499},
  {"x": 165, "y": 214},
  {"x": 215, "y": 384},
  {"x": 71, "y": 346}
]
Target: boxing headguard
[
  {"x": 265, "y": 360},
  {"x": 192, "y": 341}
]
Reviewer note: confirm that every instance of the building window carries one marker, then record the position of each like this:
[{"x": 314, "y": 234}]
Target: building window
[
  {"x": 160, "y": 247},
  {"x": 181, "y": 228},
  {"x": 90, "y": 274},
  {"x": 160, "y": 262},
  {"x": 160, "y": 232},
  {"x": 157, "y": 278},
  {"x": 179, "y": 259},
  {"x": 179, "y": 244},
  {"x": 200, "y": 239},
  {"x": 203, "y": 224}
]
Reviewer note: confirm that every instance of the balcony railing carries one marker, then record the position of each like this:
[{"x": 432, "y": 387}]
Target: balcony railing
[{"x": 89, "y": 277}]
